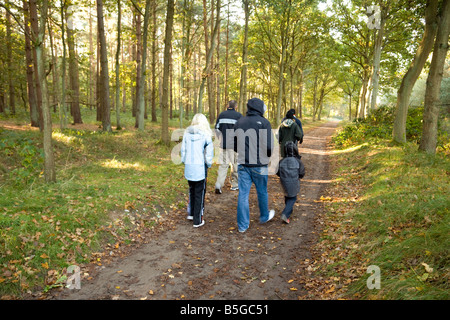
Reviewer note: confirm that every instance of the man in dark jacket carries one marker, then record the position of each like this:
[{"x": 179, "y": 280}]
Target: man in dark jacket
[
  {"x": 225, "y": 131},
  {"x": 290, "y": 170},
  {"x": 253, "y": 142}
]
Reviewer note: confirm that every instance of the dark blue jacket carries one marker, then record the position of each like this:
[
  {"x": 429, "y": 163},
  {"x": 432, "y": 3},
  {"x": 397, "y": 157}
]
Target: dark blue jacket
[
  {"x": 253, "y": 140},
  {"x": 225, "y": 123}
]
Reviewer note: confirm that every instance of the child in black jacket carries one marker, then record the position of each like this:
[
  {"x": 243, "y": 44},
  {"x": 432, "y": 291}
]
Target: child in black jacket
[{"x": 290, "y": 170}]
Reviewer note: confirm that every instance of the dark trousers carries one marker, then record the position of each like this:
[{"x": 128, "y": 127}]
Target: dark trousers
[
  {"x": 289, "y": 205},
  {"x": 197, "y": 199}
]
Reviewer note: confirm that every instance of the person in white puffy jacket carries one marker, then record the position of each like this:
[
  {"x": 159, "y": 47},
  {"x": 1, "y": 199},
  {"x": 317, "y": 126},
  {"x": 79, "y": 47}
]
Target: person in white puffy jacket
[{"x": 197, "y": 153}]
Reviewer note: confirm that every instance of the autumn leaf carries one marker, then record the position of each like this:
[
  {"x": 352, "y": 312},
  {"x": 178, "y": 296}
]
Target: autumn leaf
[{"x": 44, "y": 265}]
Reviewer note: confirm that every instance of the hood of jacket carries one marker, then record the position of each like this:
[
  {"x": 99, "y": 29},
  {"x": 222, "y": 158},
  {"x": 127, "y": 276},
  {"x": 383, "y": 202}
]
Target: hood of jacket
[
  {"x": 195, "y": 132},
  {"x": 291, "y": 149},
  {"x": 287, "y": 123},
  {"x": 255, "y": 106}
]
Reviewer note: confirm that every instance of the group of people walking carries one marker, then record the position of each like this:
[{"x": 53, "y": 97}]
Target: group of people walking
[{"x": 247, "y": 143}]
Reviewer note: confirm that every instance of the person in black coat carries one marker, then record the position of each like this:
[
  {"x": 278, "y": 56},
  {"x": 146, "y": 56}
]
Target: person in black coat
[{"x": 290, "y": 170}]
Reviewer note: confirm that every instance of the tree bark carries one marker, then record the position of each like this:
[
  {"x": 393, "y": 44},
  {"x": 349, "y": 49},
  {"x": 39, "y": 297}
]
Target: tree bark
[
  {"x": 243, "y": 80},
  {"x": 208, "y": 63},
  {"x": 104, "y": 75},
  {"x": 432, "y": 94},
  {"x": 377, "y": 57},
  {"x": 34, "y": 31},
  {"x": 119, "y": 21},
  {"x": 73, "y": 72},
  {"x": 154, "y": 49},
  {"x": 141, "y": 88},
  {"x": 404, "y": 92},
  {"x": 165, "y": 97},
  {"x": 12, "y": 93},
  {"x": 49, "y": 161},
  {"x": 32, "y": 99}
]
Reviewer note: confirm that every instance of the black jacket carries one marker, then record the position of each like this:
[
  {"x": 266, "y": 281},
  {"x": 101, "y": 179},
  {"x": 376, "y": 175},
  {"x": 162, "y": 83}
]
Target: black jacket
[
  {"x": 290, "y": 170},
  {"x": 225, "y": 122},
  {"x": 288, "y": 131},
  {"x": 253, "y": 140}
]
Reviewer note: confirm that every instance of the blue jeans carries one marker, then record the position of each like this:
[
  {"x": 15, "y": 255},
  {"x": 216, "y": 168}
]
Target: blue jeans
[
  {"x": 289, "y": 206},
  {"x": 247, "y": 176}
]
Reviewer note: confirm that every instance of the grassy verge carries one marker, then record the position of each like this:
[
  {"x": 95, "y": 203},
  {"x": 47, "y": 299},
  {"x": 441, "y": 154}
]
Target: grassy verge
[
  {"x": 110, "y": 190},
  {"x": 388, "y": 207}
]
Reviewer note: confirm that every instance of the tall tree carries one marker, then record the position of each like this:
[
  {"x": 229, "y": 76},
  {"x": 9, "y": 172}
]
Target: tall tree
[
  {"x": 104, "y": 74},
  {"x": 119, "y": 23},
  {"x": 243, "y": 80},
  {"x": 10, "y": 63},
  {"x": 141, "y": 88},
  {"x": 32, "y": 98},
  {"x": 409, "y": 79},
  {"x": 73, "y": 67},
  {"x": 165, "y": 97},
  {"x": 49, "y": 161},
  {"x": 209, "y": 55},
  {"x": 153, "y": 65},
  {"x": 432, "y": 94}
]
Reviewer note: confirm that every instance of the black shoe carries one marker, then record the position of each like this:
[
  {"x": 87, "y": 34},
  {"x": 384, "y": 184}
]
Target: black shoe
[{"x": 218, "y": 191}]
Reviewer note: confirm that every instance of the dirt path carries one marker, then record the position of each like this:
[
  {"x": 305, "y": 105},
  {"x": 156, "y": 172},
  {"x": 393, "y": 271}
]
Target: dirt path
[{"x": 216, "y": 261}]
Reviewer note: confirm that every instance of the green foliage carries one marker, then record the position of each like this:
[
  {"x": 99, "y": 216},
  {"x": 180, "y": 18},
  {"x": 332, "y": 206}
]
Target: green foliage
[
  {"x": 378, "y": 125},
  {"x": 23, "y": 151},
  {"x": 390, "y": 210},
  {"x": 110, "y": 189}
]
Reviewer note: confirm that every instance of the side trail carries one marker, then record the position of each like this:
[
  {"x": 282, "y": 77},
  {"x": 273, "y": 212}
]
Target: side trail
[{"x": 216, "y": 261}]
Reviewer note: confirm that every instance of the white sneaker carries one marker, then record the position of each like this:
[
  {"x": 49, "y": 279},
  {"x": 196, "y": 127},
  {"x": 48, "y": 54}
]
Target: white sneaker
[
  {"x": 199, "y": 225},
  {"x": 190, "y": 217},
  {"x": 271, "y": 215}
]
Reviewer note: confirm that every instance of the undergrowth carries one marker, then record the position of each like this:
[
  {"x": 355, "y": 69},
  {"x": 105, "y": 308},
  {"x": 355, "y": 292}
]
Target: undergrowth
[{"x": 389, "y": 208}]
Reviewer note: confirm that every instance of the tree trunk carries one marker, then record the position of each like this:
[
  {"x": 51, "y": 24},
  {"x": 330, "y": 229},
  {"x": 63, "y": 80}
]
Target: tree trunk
[
  {"x": 49, "y": 161},
  {"x": 35, "y": 30},
  {"x": 154, "y": 49},
  {"x": 432, "y": 94},
  {"x": 165, "y": 97},
  {"x": 104, "y": 75},
  {"x": 377, "y": 58},
  {"x": 363, "y": 95},
  {"x": 138, "y": 67},
  {"x": 210, "y": 73},
  {"x": 141, "y": 88},
  {"x": 208, "y": 62},
  {"x": 32, "y": 99},
  {"x": 73, "y": 71},
  {"x": 404, "y": 92},
  {"x": 119, "y": 21},
  {"x": 282, "y": 62},
  {"x": 243, "y": 80},
  {"x": 10, "y": 63},
  {"x": 225, "y": 86},
  {"x": 62, "y": 107}
]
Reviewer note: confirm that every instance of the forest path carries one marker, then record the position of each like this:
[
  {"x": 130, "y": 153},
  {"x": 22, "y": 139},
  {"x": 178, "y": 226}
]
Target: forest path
[{"x": 215, "y": 261}]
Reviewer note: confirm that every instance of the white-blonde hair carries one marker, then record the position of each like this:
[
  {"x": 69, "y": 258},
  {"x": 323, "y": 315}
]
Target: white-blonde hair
[{"x": 201, "y": 122}]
